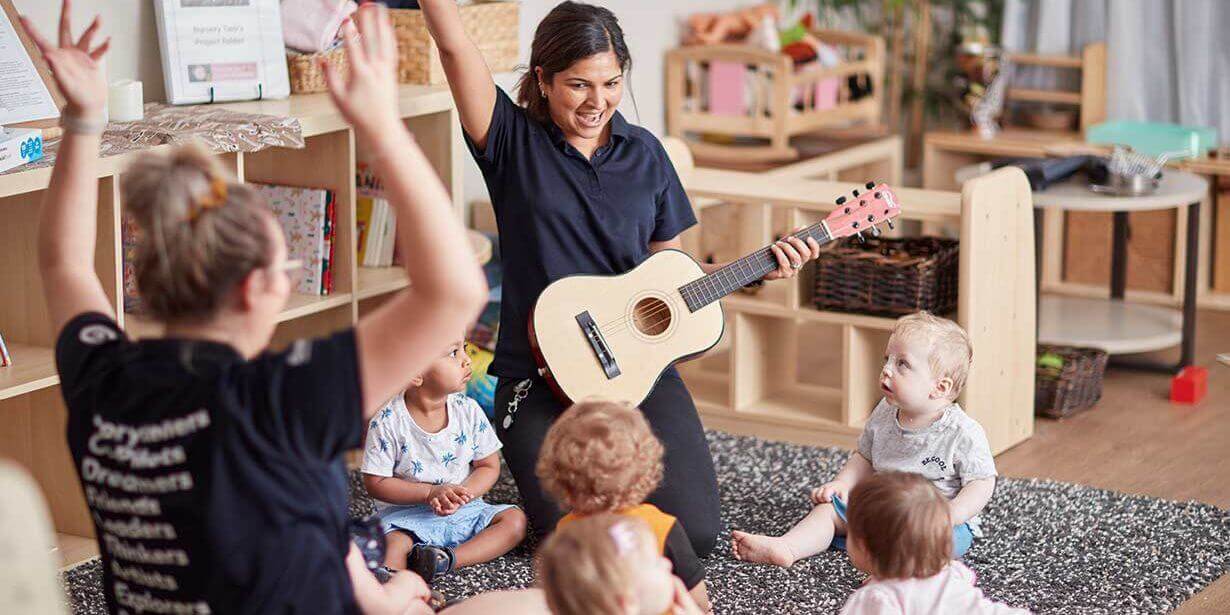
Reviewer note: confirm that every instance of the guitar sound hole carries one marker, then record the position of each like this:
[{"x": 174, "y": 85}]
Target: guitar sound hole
[{"x": 652, "y": 316}]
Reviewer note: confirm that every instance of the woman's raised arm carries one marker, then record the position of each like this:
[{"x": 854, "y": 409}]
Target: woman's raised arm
[
  {"x": 67, "y": 227},
  {"x": 398, "y": 340},
  {"x": 469, "y": 78}
]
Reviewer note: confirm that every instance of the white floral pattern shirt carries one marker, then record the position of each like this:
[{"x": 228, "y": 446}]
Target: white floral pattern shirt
[{"x": 397, "y": 446}]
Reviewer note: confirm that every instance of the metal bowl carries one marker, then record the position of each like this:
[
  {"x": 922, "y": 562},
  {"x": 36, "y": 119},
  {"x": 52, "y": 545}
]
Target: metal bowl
[{"x": 1127, "y": 185}]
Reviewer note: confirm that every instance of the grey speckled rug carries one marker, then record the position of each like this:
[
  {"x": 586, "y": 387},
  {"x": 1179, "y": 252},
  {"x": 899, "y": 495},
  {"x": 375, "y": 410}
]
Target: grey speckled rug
[{"x": 1050, "y": 547}]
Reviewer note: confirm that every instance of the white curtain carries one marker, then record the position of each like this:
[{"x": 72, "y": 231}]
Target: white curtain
[{"x": 1167, "y": 60}]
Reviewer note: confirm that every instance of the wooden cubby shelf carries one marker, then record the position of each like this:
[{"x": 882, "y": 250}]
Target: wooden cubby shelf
[
  {"x": 757, "y": 384},
  {"x": 33, "y": 368},
  {"x": 32, "y": 413}
]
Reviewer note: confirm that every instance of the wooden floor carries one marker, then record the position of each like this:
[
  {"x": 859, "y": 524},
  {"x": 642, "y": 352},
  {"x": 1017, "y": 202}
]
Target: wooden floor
[{"x": 1136, "y": 441}]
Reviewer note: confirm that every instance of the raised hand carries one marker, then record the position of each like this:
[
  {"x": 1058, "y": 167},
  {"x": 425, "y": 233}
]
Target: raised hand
[
  {"x": 75, "y": 65},
  {"x": 367, "y": 97}
]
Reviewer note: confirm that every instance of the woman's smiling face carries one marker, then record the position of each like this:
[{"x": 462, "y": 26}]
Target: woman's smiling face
[{"x": 583, "y": 97}]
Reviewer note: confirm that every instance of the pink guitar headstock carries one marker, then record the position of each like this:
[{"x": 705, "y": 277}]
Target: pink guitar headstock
[{"x": 862, "y": 211}]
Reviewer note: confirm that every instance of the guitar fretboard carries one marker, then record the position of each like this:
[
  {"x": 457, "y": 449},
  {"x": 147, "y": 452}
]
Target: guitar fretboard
[{"x": 739, "y": 273}]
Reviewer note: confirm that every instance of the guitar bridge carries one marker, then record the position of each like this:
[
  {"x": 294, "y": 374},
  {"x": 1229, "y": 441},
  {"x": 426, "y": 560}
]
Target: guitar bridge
[{"x": 596, "y": 342}]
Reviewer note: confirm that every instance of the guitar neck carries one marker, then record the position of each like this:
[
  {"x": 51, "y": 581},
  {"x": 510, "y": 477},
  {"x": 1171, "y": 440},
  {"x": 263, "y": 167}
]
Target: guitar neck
[{"x": 739, "y": 273}]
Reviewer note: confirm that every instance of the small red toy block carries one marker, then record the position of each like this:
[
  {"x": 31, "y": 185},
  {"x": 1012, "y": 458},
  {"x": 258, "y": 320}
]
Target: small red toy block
[{"x": 1189, "y": 386}]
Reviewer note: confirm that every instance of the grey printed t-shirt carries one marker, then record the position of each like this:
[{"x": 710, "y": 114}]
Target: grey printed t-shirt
[{"x": 950, "y": 452}]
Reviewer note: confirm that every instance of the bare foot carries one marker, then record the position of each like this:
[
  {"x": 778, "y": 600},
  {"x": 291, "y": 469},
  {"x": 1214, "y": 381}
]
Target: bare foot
[{"x": 762, "y": 549}]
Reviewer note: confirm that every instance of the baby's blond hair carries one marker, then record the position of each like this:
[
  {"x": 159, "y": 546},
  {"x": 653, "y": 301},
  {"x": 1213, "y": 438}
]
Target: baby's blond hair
[
  {"x": 600, "y": 456},
  {"x": 585, "y": 566},
  {"x": 949, "y": 352}
]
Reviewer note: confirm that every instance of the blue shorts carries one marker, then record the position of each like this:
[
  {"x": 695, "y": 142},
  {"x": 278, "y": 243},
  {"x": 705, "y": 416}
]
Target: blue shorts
[
  {"x": 430, "y": 528},
  {"x": 962, "y": 536}
]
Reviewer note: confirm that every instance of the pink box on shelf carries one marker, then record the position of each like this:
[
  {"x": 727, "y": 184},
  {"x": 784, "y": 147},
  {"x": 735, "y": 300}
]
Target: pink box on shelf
[
  {"x": 727, "y": 88},
  {"x": 826, "y": 93}
]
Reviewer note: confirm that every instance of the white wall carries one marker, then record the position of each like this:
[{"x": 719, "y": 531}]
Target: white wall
[
  {"x": 130, "y": 23},
  {"x": 650, "y": 28}
]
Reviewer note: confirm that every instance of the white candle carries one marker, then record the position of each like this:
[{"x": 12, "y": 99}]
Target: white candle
[{"x": 126, "y": 101}]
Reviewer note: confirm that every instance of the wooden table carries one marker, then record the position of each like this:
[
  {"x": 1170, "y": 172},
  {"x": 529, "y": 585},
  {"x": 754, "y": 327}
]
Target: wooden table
[{"x": 1116, "y": 326}]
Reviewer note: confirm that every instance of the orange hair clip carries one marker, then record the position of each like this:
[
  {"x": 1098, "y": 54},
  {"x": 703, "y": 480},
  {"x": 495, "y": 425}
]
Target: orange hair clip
[{"x": 215, "y": 198}]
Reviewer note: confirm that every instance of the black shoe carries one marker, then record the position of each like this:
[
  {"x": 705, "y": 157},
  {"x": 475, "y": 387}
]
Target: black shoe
[{"x": 430, "y": 562}]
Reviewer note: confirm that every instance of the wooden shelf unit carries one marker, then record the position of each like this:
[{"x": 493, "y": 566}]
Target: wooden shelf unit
[
  {"x": 32, "y": 413},
  {"x": 753, "y": 385},
  {"x": 1072, "y": 239}
]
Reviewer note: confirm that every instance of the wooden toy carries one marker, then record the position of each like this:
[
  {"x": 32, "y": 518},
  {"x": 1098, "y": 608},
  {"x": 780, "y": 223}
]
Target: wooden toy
[{"x": 785, "y": 100}]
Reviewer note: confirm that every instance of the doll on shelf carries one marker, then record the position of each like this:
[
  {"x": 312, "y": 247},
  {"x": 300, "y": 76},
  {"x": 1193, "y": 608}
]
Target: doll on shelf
[{"x": 733, "y": 26}]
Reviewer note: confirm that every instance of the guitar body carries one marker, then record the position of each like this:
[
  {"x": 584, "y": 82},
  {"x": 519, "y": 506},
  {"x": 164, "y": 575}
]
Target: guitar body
[{"x": 612, "y": 336}]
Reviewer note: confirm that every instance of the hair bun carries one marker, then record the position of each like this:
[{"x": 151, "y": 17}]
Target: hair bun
[{"x": 160, "y": 188}]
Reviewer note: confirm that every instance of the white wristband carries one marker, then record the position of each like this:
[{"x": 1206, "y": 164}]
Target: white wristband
[{"x": 81, "y": 126}]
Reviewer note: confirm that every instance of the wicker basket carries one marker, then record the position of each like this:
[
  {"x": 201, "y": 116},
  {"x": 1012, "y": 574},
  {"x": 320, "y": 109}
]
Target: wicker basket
[
  {"x": 306, "y": 76},
  {"x": 491, "y": 25},
  {"x": 888, "y": 277},
  {"x": 1068, "y": 380}
]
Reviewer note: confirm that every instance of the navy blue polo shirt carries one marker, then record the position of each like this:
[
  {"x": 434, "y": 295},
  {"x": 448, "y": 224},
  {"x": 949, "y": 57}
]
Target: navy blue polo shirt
[{"x": 559, "y": 214}]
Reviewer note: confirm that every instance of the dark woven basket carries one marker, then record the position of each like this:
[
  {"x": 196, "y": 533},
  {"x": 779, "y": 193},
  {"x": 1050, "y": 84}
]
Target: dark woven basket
[
  {"x": 888, "y": 277},
  {"x": 1076, "y": 386}
]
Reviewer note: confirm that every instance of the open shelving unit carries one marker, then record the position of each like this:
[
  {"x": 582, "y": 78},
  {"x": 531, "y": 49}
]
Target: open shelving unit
[
  {"x": 752, "y": 382},
  {"x": 32, "y": 412}
]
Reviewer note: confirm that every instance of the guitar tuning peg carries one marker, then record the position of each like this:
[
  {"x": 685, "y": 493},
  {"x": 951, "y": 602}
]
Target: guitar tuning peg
[
  {"x": 871, "y": 185},
  {"x": 890, "y": 224},
  {"x": 875, "y": 231},
  {"x": 861, "y": 239}
]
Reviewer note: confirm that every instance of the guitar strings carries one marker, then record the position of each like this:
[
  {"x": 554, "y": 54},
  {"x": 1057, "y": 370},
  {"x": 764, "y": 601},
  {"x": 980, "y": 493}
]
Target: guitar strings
[
  {"x": 766, "y": 251},
  {"x": 616, "y": 325}
]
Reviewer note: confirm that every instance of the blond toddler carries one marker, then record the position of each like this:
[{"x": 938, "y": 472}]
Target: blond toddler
[{"x": 917, "y": 427}]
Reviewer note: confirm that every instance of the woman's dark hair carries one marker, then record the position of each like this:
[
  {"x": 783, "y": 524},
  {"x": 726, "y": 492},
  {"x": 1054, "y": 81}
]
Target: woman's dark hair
[{"x": 572, "y": 31}]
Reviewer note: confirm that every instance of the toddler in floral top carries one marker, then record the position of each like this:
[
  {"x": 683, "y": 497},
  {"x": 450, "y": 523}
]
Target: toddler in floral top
[{"x": 429, "y": 458}]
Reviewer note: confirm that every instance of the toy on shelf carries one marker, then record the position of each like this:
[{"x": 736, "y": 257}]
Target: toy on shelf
[
  {"x": 732, "y": 26},
  {"x": 721, "y": 95}
]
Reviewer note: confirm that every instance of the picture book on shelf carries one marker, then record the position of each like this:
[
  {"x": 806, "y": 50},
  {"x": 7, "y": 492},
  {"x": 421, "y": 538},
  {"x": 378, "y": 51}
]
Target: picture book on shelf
[
  {"x": 5, "y": 359},
  {"x": 306, "y": 216},
  {"x": 374, "y": 219}
]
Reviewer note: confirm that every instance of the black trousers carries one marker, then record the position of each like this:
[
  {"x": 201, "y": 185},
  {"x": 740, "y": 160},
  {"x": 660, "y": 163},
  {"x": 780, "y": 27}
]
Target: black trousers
[{"x": 689, "y": 485}]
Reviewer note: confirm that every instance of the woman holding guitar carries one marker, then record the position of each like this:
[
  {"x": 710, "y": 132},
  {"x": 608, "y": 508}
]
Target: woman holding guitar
[{"x": 577, "y": 190}]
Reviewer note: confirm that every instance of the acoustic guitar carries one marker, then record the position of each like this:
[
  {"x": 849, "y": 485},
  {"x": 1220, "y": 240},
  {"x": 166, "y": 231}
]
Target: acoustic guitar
[{"x": 613, "y": 336}]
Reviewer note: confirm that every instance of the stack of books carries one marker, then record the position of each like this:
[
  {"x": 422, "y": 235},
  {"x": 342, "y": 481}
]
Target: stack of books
[
  {"x": 375, "y": 222},
  {"x": 308, "y": 217}
]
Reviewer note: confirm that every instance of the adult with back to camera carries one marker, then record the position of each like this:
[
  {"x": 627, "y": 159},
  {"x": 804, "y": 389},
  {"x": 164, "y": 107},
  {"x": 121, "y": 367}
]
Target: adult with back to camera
[
  {"x": 577, "y": 190},
  {"x": 213, "y": 468}
]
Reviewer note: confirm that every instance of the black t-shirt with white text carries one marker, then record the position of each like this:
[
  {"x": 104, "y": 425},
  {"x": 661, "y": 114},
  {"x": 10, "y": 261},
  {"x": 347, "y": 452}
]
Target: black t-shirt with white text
[{"x": 216, "y": 484}]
